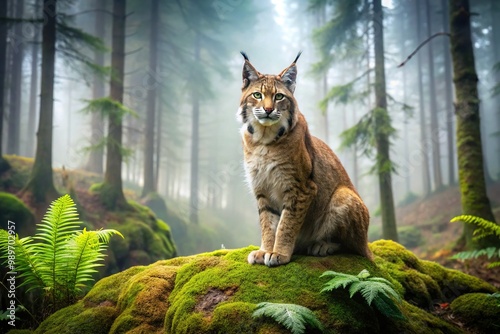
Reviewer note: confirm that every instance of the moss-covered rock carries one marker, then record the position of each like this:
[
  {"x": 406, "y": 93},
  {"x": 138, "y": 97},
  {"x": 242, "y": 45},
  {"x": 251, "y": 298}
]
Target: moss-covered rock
[
  {"x": 217, "y": 292},
  {"x": 146, "y": 239},
  {"x": 478, "y": 311},
  {"x": 13, "y": 209}
]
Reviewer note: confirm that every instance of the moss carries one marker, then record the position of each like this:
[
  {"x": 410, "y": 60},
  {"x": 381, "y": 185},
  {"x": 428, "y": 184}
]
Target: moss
[
  {"x": 217, "y": 292},
  {"x": 479, "y": 311},
  {"x": 13, "y": 209},
  {"x": 20, "y": 331},
  {"x": 15, "y": 178},
  {"x": 83, "y": 320},
  {"x": 424, "y": 282}
]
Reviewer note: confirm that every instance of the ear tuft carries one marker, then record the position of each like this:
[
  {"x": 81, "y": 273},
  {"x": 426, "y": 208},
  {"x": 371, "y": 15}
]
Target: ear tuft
[
  {"x": 297, "y": 58},
  {"x": 289, "y": 75},
  {"x": 249, "y": 72},
  {"x": 244, "y": 55}
]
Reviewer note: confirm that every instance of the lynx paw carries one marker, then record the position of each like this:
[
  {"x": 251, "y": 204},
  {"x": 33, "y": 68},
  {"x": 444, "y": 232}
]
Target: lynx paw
[
  {"x": 256, "y": 256},
  {"x": 275, "y": 259},
  {"x": 322, "y": 248},
  {"x": 268, "y": 258}
]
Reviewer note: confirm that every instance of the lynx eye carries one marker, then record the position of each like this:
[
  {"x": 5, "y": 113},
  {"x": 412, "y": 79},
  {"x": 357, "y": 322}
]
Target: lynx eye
[
  {"x": 279, "y": 96},
  {"x": 257, "y": 95}
]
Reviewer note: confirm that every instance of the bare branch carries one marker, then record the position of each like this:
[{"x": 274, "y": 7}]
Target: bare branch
[{"x": 421, "y": 45}]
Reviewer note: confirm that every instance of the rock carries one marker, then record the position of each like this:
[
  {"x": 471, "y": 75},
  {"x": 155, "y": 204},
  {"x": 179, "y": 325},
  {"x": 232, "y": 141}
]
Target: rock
[
  {"x": 217, "y": 292},
  {"x": 479, "y": 311},
  {"x": 13, "y": 209}
]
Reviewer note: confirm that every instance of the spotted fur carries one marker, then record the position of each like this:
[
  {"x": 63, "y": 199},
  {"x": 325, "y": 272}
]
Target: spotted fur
[{"x": 306, "y": 202}]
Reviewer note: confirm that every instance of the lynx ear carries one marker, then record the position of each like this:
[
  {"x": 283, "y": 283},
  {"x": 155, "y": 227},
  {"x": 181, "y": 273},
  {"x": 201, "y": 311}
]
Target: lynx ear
[
  {"x": 289, "y": 75},
  {"x": 249, "y": 72}
]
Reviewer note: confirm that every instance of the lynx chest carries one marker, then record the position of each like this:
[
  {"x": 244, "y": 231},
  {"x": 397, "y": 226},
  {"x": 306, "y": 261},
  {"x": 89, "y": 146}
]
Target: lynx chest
[{"x": 270, "y": 172}]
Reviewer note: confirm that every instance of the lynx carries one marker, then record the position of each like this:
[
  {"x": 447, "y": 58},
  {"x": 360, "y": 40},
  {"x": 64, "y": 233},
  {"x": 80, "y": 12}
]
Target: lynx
[{"x": 307, "y": 203}]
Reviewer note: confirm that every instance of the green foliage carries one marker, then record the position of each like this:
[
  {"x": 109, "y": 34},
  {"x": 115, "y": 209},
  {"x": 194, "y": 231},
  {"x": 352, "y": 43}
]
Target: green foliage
[
  {"x": 59, "y": 259},
  {"x": 484, "y": 229},
  {"x": 344, "y": 94},
  {"x": 108, "y": 107},
  {"x": 376, "y": 290},
  {"x": 72, "y": 40},
  {"x": 294, "y": 317}
]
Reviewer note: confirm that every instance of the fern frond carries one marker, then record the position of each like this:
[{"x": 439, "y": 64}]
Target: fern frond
[
  {"x": 25, "y": 262},
  {"x": 474, "y": 254},
  {"x": 387, "y": 307},
  {"x": 60, "y": 221},
  {"x": 84, "y": 253},
  {"x": 489, "y": 227},
  {"x": 376, "y": 290},
  {"x": 493, "y": 265},
  {"x": 340, "y": 280},
  {"x": 293, "y": 317}
]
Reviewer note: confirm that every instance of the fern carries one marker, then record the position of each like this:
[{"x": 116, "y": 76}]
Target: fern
[
  {"x": 293, "y": 317},
  {"x": 59, "y": 260},
  {"x": 376, "y": 290},
  {"x": 484, "y": 229}
]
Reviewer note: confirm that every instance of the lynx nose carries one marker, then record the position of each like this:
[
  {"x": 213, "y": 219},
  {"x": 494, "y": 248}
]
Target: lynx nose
[{"x": 268, "y": 110}]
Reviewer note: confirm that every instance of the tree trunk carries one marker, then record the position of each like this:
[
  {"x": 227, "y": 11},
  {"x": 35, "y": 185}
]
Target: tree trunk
[
  {"x": 158, "y": 138},
  {"x": 149, "y": 143},
  {"x": 3, "y": 54},
  {"x": 195, "y": 142},
  {"x": 448, "y": 76},
  {"x": 17, "y": 46},
  {"x": 33, "y": 110},
  {"x": 435, "y": 145},
  {"x": 41, "y": 183},
  {"x": 469, "y": 148},
  {"x": 426, "y": 179},
  {"x": 112, "y": 189},
  {"x": 382, "y": 123},
  {"x": 96, "y": 157},
  {"x": 495, "y": 36}
]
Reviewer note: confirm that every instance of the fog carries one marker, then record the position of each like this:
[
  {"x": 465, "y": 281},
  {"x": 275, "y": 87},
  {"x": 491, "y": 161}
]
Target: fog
[{"x": 271, "y": 32}]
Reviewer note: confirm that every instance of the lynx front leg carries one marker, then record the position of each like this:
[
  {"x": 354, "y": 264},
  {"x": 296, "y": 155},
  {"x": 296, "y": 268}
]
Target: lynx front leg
[
  {"x": 296, "y": 204},
  {"x": 269, "y": 218}
]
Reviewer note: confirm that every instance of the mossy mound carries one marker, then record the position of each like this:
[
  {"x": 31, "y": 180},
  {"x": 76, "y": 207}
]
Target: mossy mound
[
  {"x": 479, "y": 311},
  {"x": 146, "y": 239},
  {"x": 13, "y": 209},
  {"x": 217, "y": 292}
]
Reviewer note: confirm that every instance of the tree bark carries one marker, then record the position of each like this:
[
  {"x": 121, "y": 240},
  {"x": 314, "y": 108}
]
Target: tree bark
[
  {"x": 435, "y": 144},
  {"x": 448, "y": 76},
  {"x": 195, "y": 141},
  {"x": 33, "y": 109},
  {"x": 112, "y": 188},
  {"x": 149, "y": 143},
  {"x": 469, "y": 147},
  {"x": 96, "y": 157},
  {"x": 41, "y": 183},
  {"x": 426, "y": 179},
  {"x": 382, "y": 123},
  {"x": 17, "y": 45}
]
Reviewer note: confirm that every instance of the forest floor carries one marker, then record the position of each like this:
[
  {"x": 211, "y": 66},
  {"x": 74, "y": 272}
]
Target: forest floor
[{"x": 432, "y": 216}]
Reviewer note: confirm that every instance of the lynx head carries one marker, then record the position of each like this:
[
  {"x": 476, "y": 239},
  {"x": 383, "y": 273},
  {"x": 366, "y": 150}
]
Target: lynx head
[{"x": 267, "y": 100}]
